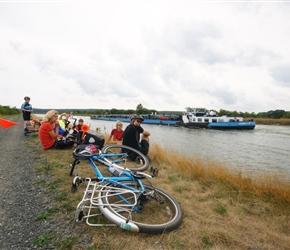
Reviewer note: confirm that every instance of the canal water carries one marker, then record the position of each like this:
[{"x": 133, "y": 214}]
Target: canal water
[{"x": 265, "y": 148}]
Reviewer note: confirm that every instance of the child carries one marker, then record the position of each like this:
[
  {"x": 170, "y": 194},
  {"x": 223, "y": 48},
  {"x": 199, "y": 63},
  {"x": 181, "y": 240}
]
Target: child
[
  {"x": 80, "y": 124},
  {"x": 116, "y": 134}
]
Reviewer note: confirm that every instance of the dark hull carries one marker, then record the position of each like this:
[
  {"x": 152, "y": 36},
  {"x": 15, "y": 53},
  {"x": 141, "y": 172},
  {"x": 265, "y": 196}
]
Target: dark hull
[{"x": 196, "y": 124}]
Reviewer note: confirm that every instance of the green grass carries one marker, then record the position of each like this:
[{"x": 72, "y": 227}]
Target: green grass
[
  {"x": 67, "y": 243},
  {"x": 46, "y": 215},
  {"x": 43, "y": 240},
  {"x": 221, "y": 209}
]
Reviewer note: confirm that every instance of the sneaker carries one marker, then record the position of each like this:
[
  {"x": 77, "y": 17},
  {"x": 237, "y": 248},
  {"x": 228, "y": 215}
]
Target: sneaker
[{"x": 26, "y": 134}]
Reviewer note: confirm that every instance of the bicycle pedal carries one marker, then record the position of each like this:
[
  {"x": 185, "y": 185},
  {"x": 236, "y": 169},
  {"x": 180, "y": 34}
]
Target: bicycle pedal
[{"x": 154, "y": 171}]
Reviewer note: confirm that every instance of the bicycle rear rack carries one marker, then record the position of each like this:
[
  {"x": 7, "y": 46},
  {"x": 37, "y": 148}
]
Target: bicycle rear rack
[{"x": 88, "y": 208}]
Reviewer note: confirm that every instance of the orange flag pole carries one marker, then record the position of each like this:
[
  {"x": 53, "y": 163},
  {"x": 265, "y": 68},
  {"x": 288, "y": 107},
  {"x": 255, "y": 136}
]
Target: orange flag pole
[
  {"x": 85, "y": 128},
  {"x": 6, "y": 123}
]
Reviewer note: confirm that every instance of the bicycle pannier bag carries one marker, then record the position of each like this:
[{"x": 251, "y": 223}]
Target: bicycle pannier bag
[{"x": 94, "y": 139}]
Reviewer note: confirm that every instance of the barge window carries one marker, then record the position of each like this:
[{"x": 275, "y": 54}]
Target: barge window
[
  {"x": 206, "y": 120},
  {"x": 221, "y": 120},
  {"x": 214, "y": 120},
  {"x": 199, "y": 119}
]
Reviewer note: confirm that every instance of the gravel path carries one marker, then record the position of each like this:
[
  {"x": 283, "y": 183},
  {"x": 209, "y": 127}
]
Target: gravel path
[{"x": 21, "y": 199}]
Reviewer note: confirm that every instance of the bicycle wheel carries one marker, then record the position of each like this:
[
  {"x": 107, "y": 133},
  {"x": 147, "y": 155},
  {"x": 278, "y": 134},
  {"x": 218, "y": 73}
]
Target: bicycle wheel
[
  {"x": 126, "y": 157},
  {"x": 155, "y": 213}
]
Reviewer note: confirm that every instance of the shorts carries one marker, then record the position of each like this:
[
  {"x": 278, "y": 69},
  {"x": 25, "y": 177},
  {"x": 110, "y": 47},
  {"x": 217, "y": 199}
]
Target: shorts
[{"x": 26, "y": 116}]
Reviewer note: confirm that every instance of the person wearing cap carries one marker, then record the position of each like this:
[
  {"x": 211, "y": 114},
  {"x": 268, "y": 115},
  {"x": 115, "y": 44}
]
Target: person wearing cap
[
  {"x": 63, "y": 122},
  {"x": 26, "y": 109},
  {"x": 132, "y": 138}
]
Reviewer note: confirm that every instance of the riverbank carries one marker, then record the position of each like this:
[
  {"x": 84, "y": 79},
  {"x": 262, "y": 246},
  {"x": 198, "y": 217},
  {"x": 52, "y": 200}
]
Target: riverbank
[
  {"x": 222, "y": 210},
  {"x": 266, "y": 121}
]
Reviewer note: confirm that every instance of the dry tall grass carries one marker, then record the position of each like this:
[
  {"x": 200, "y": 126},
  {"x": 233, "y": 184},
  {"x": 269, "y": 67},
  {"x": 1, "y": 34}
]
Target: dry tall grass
[
  {"x": 263, "y": 184},
  {"x": 268, "y": 121},
  {"x": 222, "y": 208}
]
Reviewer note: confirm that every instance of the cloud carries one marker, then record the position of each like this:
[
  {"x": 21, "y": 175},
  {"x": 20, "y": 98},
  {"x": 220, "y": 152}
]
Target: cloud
[
  {"x": 164, "y": 55},
  {"x": 281, "y": 74}
]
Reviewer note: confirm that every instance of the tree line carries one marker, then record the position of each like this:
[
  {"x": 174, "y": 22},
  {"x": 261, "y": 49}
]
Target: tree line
[
  {"x": 6, "y": 110},
  {"x": 272, "y": 114}
]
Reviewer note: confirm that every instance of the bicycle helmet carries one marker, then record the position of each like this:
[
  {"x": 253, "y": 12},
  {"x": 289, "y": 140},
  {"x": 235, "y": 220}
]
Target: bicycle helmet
[
  {"x": 134, "y": 117},
  {"x": 83, "y": 152}
]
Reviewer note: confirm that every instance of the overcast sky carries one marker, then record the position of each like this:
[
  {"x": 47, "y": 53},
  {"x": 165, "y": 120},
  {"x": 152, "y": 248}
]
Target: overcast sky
[{"x": 166, "y": 55}]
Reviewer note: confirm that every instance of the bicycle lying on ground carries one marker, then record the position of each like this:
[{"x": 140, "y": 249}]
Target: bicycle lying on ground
[{"x": 122, "y": 197}]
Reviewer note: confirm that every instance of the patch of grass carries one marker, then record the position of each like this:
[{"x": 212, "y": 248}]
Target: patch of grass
[
  {"x": 206, "y": 242},
  {"x": 171, "y": 178},
  {"x": 67, "y": 243},
  {"x": 43, "y": 240},
  {"x": 49, "y": 168},
  {"x": 221, "y": 209},
  {"x": 177, "y": 245},
  {"x": 92, "y": 248},
  {"x": 61, "y": 197},
  {"x": 39, "y": 182},
  {"x": 68, "y": 206},
  {"x": 53, "y": 185},
  {"x": 46, "y": 215},
  {"x": 180, "y": 188}
]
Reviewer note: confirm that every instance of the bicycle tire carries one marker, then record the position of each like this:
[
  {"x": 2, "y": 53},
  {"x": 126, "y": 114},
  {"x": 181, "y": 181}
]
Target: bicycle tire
[
  {"x": 155, "y": 217},
  {"x": 133, "y": 160}
]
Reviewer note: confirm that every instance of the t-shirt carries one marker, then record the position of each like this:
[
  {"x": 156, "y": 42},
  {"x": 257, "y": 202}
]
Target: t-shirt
[
  {"x": 62, "y": 124},
  {"x": 60, "y": 130},
  {"x": 131, "y": 136},
  {"x": 44, "y": 136},
  {"x": 26, "y": 106},
  {"x": 117, "y": 134}
]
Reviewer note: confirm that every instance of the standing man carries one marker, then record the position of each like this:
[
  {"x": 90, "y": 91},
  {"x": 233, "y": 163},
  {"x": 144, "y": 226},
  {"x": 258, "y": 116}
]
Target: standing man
[
  {"x": 26, "y": 108},
  {"x": 131, "y": 135}
]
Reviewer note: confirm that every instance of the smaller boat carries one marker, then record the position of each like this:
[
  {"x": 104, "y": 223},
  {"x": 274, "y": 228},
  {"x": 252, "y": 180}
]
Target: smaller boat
[
  {"x": 199, "y": 118},
  {"x": 94, "y": 117}
]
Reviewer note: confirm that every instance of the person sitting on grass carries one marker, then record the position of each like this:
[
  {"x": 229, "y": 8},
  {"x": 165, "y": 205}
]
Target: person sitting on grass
[
  {"x": 131, "y": 135},
  {"x": 48, "y": 132},
  {"x": 116, "y": 134},
  {"x": 80, "y": 124}
]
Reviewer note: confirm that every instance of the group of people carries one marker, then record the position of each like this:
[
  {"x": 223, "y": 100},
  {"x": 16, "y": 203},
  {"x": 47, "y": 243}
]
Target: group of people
[
  {"x": 53, "y": 128},
  {"x": 133, "y": 136}
]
